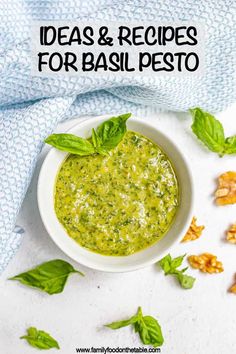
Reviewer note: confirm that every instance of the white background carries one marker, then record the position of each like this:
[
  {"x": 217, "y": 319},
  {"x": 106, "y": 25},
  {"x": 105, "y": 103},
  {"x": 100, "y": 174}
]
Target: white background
[{"x": 201, "y": 320}]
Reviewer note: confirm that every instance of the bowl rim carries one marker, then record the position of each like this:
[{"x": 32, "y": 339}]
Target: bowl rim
[{"x": 80, "y": 123}]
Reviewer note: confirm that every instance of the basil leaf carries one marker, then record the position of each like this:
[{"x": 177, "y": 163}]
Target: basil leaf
[
  {"x": 148, "y": 328},
  {"x": 111, "y": 132},
  {"x": 165, "y": 263},
  {"x": 95, "y": 139},
  {"x": 50, "y": 277},
  {"x": 211, "y": 132},
  {"x": 120, "y": 324},
  {"x": 170, "y": 266},
  {"x": 71, "y": 143},
  {"x": 176, "y": 262},
  {"x": 186, "y": 281},
  {"x": 40, "y": 339},
  {"x": 150, "y": 331},
  {"x": 97, "y": 143},
  {"x": 106, "y": 137},
  {"x": 208, "y": 129}
]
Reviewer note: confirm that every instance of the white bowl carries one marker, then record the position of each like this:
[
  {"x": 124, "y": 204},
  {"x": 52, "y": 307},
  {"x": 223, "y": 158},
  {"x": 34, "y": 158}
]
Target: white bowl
[{"x": 140, "y": 259}]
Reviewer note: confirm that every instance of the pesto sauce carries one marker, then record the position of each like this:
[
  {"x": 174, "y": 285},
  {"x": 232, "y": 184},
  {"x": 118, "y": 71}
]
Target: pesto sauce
[{"x": 118, "y": 204}]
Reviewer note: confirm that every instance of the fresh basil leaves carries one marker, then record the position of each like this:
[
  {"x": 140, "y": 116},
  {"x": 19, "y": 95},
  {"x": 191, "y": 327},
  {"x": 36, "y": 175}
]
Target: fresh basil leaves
[
  {"x": 111, "y": 132},
  {"x": 71, "y": 143},
  {"x": 211, "y": 132},
  {"x": 40, "y": 339},
  {"x": 50, "y": 277},
  {"x": 169, "y": 265},
  {"x": 105, "y": 138},
  {"x": 124, "y": 323},
  {"x": 147, "y": 327}
]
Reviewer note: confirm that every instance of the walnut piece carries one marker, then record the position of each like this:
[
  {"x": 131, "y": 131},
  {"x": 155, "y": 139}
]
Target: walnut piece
[
  {"x": 206, "y": 263},
  {"x": 233, "y": 289},
  {"x": 231, "y": 234},
  {"x": 194, "y": 231},
  {"x": 226, "y": 191}
]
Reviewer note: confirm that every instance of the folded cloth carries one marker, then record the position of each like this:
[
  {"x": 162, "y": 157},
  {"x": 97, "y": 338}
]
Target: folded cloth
[{"x": 31, "y": 107}]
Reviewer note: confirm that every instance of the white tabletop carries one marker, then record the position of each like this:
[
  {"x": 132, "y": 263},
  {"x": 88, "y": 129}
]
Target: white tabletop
[{"x": 201, "y": 320}]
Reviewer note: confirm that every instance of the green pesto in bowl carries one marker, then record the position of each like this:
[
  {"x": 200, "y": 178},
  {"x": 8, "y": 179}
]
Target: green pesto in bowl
[{"x": 118, "y": 204}]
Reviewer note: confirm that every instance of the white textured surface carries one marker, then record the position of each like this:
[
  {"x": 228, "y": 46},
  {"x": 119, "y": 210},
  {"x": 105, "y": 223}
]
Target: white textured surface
[
  {"x": 201, "y": 320},
  {"x": 32, "y": 106}
]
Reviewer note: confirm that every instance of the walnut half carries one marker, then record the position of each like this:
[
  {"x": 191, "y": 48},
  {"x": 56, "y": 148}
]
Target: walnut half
[
  {"x": 233, "y": 289},
  {"x": 206, "y": 263},
  {"x": 231, "y": 234},
  {"x": 226, "y": 191},
  {"x": 194, "y": 231}
]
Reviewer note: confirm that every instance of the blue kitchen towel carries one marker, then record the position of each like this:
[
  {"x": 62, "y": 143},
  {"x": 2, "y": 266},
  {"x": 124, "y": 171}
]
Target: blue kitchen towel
[{"x": 31, "y": 107}]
